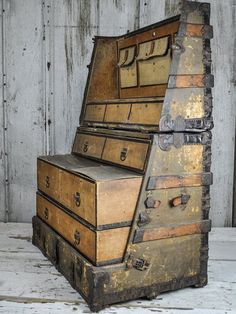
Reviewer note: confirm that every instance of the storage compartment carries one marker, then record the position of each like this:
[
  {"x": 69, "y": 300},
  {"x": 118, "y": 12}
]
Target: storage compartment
[
  {"x": 128, "y": 68},
  {"x": 101, "y": 195},
  {"x": 100, "y": 247},
  {"x": 117, "y": 113},
  {"x": 154, "y": 61},
  {"x": 89, "y": 145},
  {"x": 95, "y": 112},
  {"x": 128, "y": 153}
]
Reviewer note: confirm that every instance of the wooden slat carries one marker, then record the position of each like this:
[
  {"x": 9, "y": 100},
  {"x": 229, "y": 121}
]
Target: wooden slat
[
  {"x": 175, "y": 181},
  {"x": 143, "y": 235}
]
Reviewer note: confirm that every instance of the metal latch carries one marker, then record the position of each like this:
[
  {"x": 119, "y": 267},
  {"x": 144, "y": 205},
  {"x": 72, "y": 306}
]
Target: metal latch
[
  {"x": 47, "y": 182},
  {"x": 141, "y": 264},
  {"x": 77, "y": 199},
  {"x": 77, "y": 237},
  {"x": 85, "y": 148},
  {"x": 123, "y": 154}
]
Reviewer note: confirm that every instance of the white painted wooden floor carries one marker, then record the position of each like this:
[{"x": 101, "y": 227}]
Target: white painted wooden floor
[{"x": 30, "y": 284}]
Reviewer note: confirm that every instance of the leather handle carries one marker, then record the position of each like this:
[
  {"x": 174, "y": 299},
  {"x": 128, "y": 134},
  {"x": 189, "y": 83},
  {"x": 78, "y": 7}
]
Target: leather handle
[
  {"x": 123, "y": 154},
  {"x": 77, "y": 199},
  {"x": 77, "y": 237},
  {"x": 180, "y": 200}
]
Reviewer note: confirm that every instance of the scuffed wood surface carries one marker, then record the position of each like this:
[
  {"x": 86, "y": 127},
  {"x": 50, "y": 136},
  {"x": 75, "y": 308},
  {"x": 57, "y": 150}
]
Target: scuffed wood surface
[{"x": 30, "y": 284}]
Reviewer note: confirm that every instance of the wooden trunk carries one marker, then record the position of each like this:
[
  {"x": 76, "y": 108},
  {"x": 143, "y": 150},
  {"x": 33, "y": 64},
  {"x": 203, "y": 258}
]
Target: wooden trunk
[{"x": 126, "y": 214}]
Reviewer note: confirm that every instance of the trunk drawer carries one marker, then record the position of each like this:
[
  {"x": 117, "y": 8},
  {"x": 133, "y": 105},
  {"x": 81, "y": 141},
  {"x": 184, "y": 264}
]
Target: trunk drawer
[
  {"x": 101, "y": 247},
  {"x": 107, "y": 197}
]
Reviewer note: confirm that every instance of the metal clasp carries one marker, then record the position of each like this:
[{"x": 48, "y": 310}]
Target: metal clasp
[
  {"x": 141, "y": 264},
  {"x": 77, "y": 199},
  {"x": 85, "y": 148},
  {"x": 46, "y": 213},
  {"x": 47, "y": 182},
  {"x": 123, "y": 154},
  {"x": 77, "y": 237}
]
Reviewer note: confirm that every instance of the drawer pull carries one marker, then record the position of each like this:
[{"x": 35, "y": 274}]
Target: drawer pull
[
  {"x": 77, "y": 199},
  {"x": 47, "y": 182},
  {"x": 123, "y": 154},
  {"x": 77, "y": 237},
  {"x": 85, "y": 148},
  {"x": 180, "y": 200},
  {"x": 46, "y": 213}
]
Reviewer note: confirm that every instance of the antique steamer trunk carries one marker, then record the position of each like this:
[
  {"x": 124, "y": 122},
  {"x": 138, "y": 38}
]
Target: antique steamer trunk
[{"x": 126, "y": 214}]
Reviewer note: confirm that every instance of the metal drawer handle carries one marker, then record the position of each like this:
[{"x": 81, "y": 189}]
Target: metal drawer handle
[
  {"x": 47, "y": 182},
  {"x": 180, "y": 200},
  {"x": 123, "y": 154},
  {"x": 77, "y": 237},
  {"x": 77, "y": 199},
  {"x": 46, "y": 213},
  {"x": 85, "y": 148}
]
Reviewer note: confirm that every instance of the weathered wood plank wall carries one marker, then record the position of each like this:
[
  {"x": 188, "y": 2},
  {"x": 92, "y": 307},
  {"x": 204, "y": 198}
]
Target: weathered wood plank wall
[{"x": 46, "y": 47}]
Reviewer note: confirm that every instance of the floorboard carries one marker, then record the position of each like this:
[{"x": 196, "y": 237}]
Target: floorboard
[{"x": 30, "y": 284}]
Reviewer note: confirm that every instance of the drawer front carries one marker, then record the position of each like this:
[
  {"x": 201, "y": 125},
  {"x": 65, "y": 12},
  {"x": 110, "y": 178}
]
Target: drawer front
[
  {"x": 125, "y": 153},
  {"x": 117, "y": 113},
  {"x": 147, "y": 114},
  {"x": 73, "y": 231},
  {"x": 100, "y": 247},
  {"x": 78, "y": 195},
  {"x": 48, "y": 179},
  {"x": 89, "y": 145},
  {"x": 95, "y": 113}
]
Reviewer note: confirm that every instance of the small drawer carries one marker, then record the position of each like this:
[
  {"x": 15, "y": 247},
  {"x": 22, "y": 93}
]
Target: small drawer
[
  {"x": 101, "y": 247},
  {"x": 126, "y": 153},
  {"x": 117, "y": 113},
  {"x": 78, "y": 195},
  {"x": 48, "y": 179},
  {"x": 89, "y": 145},
  {"x": 95, "y": 113},
  {"x": 146, "y": 114}
]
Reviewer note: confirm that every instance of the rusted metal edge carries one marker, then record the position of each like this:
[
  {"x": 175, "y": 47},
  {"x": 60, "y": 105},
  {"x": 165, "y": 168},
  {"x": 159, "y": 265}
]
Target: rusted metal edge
[
  {"x": 202, "y": 9},
  {"x": 176, "y": 181},
  {"x": 188, "y": 27},
  {"x": 98, "y": 276},
  {"x": 143, "y": 235}
]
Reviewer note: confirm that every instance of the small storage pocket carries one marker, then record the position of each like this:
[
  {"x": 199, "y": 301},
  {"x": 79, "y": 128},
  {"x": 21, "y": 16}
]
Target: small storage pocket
[
  {"x": 154, "y": 59},
  {"x": 127, "y": 67}
]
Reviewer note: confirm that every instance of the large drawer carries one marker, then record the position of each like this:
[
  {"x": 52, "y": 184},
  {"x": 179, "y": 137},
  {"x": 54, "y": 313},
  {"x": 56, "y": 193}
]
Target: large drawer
[
  {"x": 102, "y": 195},
  {"x": 101, "y": 247},
  {"x": 130, "y": 153}
]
